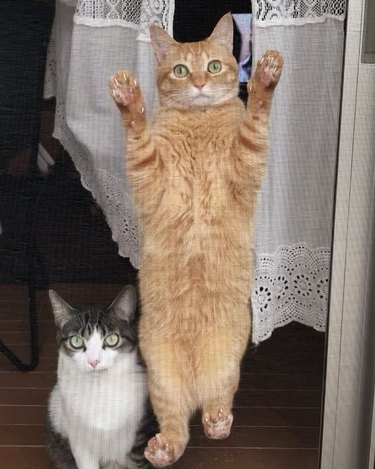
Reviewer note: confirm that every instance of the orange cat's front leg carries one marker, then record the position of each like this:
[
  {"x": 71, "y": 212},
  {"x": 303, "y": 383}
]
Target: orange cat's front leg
[
  {"x": 250, "y": 145},
  {"x": 127, "y": 95},
  {"x": 263, "y": 82},
  {"x": 142, "y": 159}
]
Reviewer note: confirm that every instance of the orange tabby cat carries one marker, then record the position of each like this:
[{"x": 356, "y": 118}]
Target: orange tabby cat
[{"x": 195, "y": 172}]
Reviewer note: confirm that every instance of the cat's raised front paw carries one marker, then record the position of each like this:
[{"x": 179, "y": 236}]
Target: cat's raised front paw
[
  {"x": 124, "y": 88},
  {"x": 159, "y": 452},
  {"x": 269, "y": 69}
]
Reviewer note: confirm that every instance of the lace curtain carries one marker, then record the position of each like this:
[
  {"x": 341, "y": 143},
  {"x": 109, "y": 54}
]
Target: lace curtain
[
  {"x": 295, "y": 211},
  {"x": 93, "y": 39},
  {"x": 296, "y": 12}
]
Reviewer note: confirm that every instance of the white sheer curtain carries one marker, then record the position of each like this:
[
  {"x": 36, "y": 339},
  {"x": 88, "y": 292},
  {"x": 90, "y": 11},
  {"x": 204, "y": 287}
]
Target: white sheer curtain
[
  {"x": 295, "y": 212},
  {"x": 93, "y": 39}
]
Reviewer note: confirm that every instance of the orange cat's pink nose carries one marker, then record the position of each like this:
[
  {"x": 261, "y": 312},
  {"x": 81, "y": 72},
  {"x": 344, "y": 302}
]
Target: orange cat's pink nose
[
  {"x": 199, "y": 84},
  {"x": 94, "y": 363}
]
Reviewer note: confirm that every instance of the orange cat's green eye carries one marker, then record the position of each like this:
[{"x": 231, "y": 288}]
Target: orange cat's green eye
[
  {"x": 214, "y": 66},
  {"x": 180, "y": 71}
]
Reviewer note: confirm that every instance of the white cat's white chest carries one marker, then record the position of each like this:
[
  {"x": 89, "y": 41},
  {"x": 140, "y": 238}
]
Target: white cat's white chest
[{"x": 105, "y": 400}]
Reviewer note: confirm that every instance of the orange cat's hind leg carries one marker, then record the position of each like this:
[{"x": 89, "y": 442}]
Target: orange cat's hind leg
[
  {"x": 218, "y": 356},
  {"x": 217, "y": 417},
  {"x": 173, "y": 417},
  {"x": 171, "y": 391},
  {"x": 158, "y": 451}
]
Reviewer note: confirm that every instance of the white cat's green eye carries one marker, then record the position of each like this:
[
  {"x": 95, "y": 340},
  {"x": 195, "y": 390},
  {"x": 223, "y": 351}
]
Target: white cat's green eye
[
  {"x": 180, "y": 71},
  {"x": 111, "y": 340},
  {"x": 214, "y": 66},
  {"x": 76, "y": 342}
]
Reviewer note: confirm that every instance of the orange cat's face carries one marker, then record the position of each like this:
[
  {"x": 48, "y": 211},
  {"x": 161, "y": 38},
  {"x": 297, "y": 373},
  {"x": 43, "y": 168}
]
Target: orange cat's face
[{"x": 194, "y": 74}]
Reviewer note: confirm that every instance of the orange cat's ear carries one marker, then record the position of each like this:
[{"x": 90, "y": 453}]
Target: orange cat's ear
[
  {"x": 161, "y": 41},
  {"x": 223, "y": 32}
]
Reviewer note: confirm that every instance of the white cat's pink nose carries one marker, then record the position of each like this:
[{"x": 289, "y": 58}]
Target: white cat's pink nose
[{"x": 93, "y": 363}]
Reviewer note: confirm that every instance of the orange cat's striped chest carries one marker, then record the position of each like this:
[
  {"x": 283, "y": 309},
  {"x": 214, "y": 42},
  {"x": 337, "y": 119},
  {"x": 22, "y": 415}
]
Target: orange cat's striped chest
[
  {"x": 195, "y": 184},
  {"x": 191, "y": 188}
]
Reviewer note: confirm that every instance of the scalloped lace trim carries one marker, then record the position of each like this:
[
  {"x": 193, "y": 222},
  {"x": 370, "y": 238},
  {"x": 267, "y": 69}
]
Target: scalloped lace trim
[
  {"x": 108, "y": 190},
  {"x": 290, "y": 285},
  {"x": 133, "y": 14},
  {"x": 296, "y": 12}
]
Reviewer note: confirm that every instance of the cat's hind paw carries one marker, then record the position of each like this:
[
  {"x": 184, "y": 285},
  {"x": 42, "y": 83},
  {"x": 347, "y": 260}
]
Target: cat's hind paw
[
  {"x": 217, "y": 426},
  {"x": 159, "y": 452},
  {"x": 268, "y": 70}
]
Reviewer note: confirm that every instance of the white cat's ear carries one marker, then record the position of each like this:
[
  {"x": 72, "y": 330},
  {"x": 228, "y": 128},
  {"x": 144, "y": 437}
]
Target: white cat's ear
[
  {"x": 223, "y": 32},
  {"x": 125, "y": 304},
  {"x": 161, "y": 42},
  {"x": 62, "y": 311}
]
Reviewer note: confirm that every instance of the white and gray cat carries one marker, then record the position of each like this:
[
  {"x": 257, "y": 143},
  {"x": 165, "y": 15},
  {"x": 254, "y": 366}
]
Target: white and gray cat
[{"x": 99, "y": 415}]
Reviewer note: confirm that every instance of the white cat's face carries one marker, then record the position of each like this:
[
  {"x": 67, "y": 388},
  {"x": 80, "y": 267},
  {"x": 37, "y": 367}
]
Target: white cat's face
[
  {"x": 94, "y": 353},
  {"x": 94, "y": 338}
]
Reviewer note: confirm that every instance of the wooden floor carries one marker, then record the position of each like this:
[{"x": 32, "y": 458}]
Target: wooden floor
[{"x": 277, "y": 409}]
